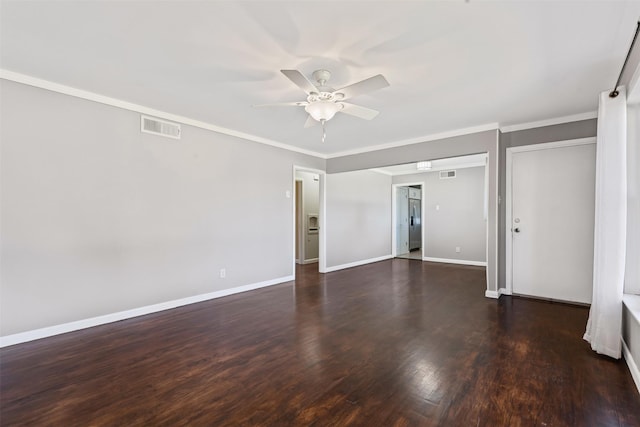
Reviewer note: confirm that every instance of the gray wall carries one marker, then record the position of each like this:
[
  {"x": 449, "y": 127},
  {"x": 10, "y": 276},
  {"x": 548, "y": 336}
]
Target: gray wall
[
  {"x": 310, "y": 205},
  {"x": 481, "y": 142},
  {"x": 460, "y": 220},
  {"x": 561, "y": 132},
  {"x": 98, "y": 218},
  {"x": 358, "y": 218}
]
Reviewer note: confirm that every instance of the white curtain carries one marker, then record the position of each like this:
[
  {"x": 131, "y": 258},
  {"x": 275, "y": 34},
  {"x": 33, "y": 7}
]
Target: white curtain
[{"x": 605, "y": 317}]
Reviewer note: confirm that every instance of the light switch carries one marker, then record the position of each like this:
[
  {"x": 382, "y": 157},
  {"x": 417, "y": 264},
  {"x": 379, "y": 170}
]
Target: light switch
[{"x": 287, "y": 194}]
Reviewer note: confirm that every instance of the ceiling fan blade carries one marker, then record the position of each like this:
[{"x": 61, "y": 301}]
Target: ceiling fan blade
[
  {"x": 300, "y": 80},
  {"x": 364, "y": 86},
  {"x": 284, "y": 104},
  {"x": 358, "y": 111},
  {"x": 310, "y": 122}
]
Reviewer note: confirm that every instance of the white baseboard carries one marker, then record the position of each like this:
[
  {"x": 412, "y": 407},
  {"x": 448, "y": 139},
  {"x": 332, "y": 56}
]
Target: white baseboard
[
  {"x": 633, "y": 367},
  {"x": 492, "y": 294},
  {"x": 455, "y": 261},
  {"x": 357, "y": 263},
  {"x": 310, "y": 261},
  {"x": 504, "y": 291},
  {"x": 127, "y": 314}
]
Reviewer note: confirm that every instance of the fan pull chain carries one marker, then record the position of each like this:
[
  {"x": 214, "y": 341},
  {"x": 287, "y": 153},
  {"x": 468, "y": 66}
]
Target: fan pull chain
[{"x": 324, "y": 132}]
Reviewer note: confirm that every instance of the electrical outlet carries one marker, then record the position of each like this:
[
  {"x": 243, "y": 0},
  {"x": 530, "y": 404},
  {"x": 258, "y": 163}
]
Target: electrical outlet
[
  {"x": 457, "y": 249},
  {"x": 223, "y": 273}
]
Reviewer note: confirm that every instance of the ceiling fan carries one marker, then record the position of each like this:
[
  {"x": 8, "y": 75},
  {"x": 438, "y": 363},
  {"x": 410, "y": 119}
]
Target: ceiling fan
[{"x": 323, "y": 102}]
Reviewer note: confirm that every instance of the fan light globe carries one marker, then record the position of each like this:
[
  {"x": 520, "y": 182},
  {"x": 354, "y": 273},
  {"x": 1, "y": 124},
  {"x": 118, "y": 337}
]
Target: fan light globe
[{"x": 323, "y": 110}]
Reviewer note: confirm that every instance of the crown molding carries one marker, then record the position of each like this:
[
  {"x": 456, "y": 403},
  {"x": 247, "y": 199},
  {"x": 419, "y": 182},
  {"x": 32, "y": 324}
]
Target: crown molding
[
  {"x": 550, "y": 122},
  {"x": 114, "y": 102},
  {"x": 380, "y": 171},
  {"x": 417, "y": 140},
  {"x": 102, "y": 99},
  {"x": 433, "y": 169}
]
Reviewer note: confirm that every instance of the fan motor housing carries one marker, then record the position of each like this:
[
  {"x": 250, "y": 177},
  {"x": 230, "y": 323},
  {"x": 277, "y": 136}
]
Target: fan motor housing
[
  {"x": 322, "y": 96},
  {"x": 322, "y": 76}
]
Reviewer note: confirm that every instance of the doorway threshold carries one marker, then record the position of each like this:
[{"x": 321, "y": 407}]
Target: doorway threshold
[{"x": 417, "y": 254}]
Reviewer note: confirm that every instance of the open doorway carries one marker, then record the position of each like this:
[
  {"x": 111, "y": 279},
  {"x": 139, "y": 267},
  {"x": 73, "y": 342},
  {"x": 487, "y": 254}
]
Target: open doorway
[
  {"x": 450, "y": 207},
  {"x": 408, "y": 221},
  {"x": 308, "y": 206}
]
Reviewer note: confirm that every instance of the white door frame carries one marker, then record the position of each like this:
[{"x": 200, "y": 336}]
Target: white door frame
[
  {"x": 299, "y": 240},
  {"x": 394, "y": 191},
  {"x": 508, "y": 202},
  {"x": 322, "y": 231}
]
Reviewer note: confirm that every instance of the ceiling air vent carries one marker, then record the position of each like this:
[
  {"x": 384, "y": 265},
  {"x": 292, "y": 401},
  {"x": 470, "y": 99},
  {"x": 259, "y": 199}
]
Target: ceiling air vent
[
  {"x": 159, "y": 127},
  {"x": 447, "y": 174}
]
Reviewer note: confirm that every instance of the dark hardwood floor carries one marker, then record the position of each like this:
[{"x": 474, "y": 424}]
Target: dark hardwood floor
[{"x": 395, "y": 343}]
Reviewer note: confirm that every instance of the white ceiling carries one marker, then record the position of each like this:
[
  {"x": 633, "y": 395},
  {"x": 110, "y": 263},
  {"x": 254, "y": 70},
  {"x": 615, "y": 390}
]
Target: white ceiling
[{"x": 451, "y": 65}]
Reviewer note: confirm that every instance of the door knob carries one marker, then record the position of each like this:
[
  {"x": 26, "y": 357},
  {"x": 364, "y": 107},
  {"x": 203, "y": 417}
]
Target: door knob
[{"x": 516, "y": 230}]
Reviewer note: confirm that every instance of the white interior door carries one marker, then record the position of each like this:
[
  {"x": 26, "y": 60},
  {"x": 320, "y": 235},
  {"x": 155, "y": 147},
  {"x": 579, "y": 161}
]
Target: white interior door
[{"x": 552, "y": 220}]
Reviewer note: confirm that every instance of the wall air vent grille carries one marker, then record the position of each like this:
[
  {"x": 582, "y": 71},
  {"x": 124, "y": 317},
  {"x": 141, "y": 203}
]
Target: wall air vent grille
[
  {"x": 447, "y": 174},
  {"x": 159, "y": 127}
]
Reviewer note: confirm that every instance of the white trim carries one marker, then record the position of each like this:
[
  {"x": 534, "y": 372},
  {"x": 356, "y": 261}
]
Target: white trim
[
  {"x": 508, "y": 220},
  {"x": 491, "y": 294},
  {"x": 298, "y": 239},
  {"x": 128, "y": 314},
  {"x": 322, "y": 232},
  {"x": 508, "y": 197},
  {"x": 114, "y": 102},
  {"x": 310, "y": 261},
  {"x": 418, "y": 140},
  {"x": 550, "y": 122},
  {"x": 552, "y": 145},
  {"x": 394, "y": 219},
  {"x": 456, "y": 261},
  {"x": 434, "y": 169},
  {"x": 102, "y": 99},
  {"x": 384, "y": 172},
  {"x": 633, "y": 366},
  {"x": 357, "y": 263},
  {"x": 504, "y": 291},
  {"x": 496, "y": 223}
]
